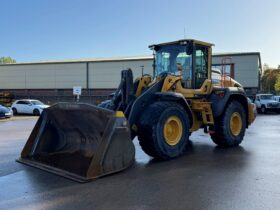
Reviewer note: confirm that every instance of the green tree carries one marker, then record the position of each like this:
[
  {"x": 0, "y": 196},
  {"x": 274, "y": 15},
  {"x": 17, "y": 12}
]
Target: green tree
[
  {"x": 7, "y": 59},
  {"x": 268, "y": 79},
  {"x": 277, "y": 84}
]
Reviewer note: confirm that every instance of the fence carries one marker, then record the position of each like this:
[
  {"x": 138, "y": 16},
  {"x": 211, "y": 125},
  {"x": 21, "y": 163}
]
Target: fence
[{"x": 92, "y": 96}]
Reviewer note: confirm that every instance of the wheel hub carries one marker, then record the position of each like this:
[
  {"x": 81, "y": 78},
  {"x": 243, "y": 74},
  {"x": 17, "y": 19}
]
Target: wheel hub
[
  {"x": 235, "y": 123},
  {"x": 173, "y": 130}
]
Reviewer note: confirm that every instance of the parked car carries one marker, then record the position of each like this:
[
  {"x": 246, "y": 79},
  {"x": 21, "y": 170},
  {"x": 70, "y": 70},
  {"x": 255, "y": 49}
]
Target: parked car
[
  {"x": 265, "y": 102},
  {"x": 276, "y": 98},
  {"x": 28, "y": 106},
  {"x": 5, "y": 112}
]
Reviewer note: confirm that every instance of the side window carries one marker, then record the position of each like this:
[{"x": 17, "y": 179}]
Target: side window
[
  {"x": 23, "y": 102},
  {"x": 201, "y": 71}
]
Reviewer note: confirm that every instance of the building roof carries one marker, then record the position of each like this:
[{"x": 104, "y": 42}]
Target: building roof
[
  {"x": 235, "y": 54},
  {"x": 116, "y": 59},
  {"x": 86, "y": 60}
]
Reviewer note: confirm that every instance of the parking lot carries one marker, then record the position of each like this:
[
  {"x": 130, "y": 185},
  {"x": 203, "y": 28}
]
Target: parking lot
[{"x": 206, "y": 177}]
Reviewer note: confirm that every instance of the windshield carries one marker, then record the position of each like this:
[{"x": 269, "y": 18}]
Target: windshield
[
  {"x": 266, "y": 97},
  {"x": 37, "y": 103},
  {"x": 173, "y": 59}
]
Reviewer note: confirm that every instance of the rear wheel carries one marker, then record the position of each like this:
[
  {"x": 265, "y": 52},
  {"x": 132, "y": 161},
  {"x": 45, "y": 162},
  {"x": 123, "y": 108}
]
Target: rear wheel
[
  {"x": 36, "y": 112},
  {"x": 163, "y": 130},
  {"x": 230, "y": 127}
]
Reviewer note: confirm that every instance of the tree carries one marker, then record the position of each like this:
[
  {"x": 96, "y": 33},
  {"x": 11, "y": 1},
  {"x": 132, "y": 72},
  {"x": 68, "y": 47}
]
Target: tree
[
  {"x": 277, "y": 84},
  {"x": 268, "y": 79},
  {"x": 7, "y": 60},
  {"x": 265, "y": 67}
]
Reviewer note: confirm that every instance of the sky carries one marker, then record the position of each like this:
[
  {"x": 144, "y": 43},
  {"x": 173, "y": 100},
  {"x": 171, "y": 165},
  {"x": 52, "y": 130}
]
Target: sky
[{"x": 34, "y": 30}]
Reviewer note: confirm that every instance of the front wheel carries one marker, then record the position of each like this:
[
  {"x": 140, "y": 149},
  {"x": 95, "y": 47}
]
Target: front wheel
[
  {"x": 163, "y": 130},
  {"x": 230, "y": 127},
  {"x": 15, "y": 112},
  {"x": 263, "y": 110}
]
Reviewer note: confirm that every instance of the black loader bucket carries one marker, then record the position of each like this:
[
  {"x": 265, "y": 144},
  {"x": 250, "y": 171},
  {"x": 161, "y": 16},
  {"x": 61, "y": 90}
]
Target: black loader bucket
[{"x": 80, "y": 142}]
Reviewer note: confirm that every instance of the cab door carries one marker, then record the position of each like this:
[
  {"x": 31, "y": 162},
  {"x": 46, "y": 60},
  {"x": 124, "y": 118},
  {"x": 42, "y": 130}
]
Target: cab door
[
  {"x": 195, "y": 67},
  {"x": 200, "y": 70}
]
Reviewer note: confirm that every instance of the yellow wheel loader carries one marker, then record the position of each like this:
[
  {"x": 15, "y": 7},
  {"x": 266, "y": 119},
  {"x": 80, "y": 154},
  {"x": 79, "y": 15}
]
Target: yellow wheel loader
[{"x": 84, "y": 142}]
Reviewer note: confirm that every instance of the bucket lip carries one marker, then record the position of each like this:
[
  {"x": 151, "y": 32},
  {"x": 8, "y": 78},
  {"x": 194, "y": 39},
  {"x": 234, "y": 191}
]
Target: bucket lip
[
  {"x": 54, "y": 170},
  {"x": 67, "y": 174}
]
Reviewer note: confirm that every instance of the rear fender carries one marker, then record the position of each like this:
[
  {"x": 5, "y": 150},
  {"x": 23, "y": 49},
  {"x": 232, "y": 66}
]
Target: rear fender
[{"x": 221, "y": 97}]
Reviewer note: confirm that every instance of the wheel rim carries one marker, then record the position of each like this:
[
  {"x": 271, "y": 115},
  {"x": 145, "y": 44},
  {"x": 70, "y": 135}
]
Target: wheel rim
[
  {"x": 235, "y": 123},
  {"x": 173, "y": 130},
  {"x": 263, "y": 109}
]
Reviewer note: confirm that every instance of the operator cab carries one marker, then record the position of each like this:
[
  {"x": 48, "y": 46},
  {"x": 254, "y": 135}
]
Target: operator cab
[{"x": 188, "y": 58}]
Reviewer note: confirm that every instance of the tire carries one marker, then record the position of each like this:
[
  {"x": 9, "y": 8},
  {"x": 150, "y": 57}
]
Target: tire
[
  {"x": 15, "y": 112},
  {"x": 226, "y": 135},
  {"x": 36, "y": 112},
  {"x": 163, "y": 130},
  {"x": 263, "y": 109}
]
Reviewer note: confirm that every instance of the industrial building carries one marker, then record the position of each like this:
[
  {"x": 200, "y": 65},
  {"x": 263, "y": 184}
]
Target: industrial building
[
  {"x": 53, "y": 81},
  {"x": 246, "y": 68}
]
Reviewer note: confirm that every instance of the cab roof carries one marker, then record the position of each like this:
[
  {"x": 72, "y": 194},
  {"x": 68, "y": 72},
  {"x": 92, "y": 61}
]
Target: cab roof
[{"x": 183, "y": 42}]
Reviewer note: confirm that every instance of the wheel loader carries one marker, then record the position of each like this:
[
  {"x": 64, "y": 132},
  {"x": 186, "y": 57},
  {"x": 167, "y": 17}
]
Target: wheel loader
[{"x": 84, "y": 142}]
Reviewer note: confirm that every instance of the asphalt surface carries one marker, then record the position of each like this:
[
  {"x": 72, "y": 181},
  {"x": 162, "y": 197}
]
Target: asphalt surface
[{"x": 206, "y": 177}]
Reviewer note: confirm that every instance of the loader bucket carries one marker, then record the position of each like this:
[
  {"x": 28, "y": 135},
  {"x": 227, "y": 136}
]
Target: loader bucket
[{"x": 80, "y": 142}]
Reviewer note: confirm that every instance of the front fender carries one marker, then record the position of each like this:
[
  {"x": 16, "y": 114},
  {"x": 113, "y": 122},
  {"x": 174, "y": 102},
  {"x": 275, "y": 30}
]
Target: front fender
[{"x": 176, "y": 97}]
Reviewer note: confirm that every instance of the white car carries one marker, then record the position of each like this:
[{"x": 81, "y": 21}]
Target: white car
[
  {"x": 276, "y": 98},
  {"x": 265, "y": 102},
  {"x": 28, "y": 106}
]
